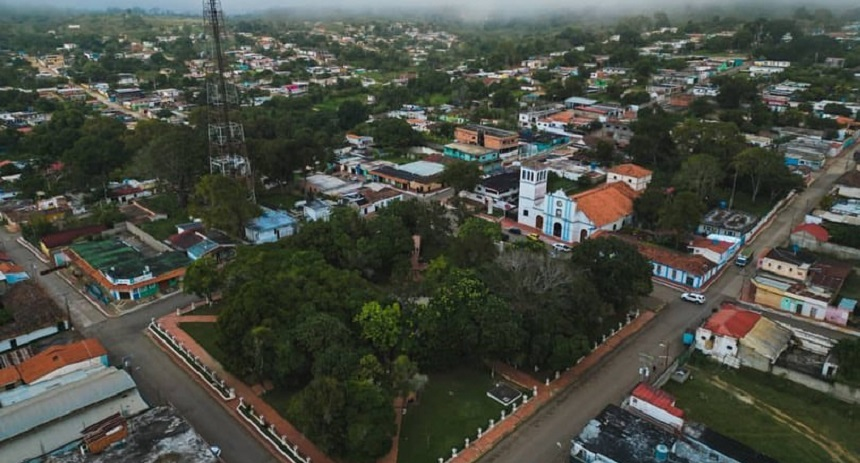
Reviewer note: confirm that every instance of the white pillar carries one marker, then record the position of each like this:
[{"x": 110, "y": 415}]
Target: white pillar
[
  {"x": 546, "y": 382},
  {"x": 534, "y": 390},
  {"x": 557, "y": 374},
  {"x": 503, "y": 416},
  {"x": 480, "y": 433},
  {"x": 467, "y": 443},
  {"x": 453, "y": 452},
  {"x": 492, "y": 423},
  {"x": 441, "y": 460},
  {"x": 515, "y": 407}
]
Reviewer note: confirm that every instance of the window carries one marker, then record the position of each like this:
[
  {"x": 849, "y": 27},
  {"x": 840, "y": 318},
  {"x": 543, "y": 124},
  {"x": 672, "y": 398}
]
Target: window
[
  {"x": 558, "y": 203},
  {"x": 779, "y": 267},
  {"x": 558, "y": 212},
  {"x": 730, "y": 347},
  {"x": 525, "y": 212}
]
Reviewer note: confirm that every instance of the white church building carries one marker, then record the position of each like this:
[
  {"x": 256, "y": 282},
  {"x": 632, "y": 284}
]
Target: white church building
[{"x": 574, "y": 218}]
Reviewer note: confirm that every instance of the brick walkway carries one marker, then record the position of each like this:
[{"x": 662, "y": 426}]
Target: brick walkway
[
  {"x": 545, "y": 393},
  {"x": 170, "y": 323}
]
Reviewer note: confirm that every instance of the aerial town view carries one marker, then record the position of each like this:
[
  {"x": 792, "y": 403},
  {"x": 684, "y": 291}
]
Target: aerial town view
[{"x": 284, "y": 231}]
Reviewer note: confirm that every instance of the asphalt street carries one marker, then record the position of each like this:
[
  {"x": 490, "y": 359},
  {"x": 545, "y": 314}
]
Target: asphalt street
[
  {"x": 159, "y": 380},
  {"x": 546, "y": 437}
]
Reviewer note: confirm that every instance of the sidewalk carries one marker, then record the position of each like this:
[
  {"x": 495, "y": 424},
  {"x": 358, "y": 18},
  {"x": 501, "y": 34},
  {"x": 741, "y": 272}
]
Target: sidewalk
[
  {"x": 545, "y": 394},
  {"x": 170, "y": 323}
]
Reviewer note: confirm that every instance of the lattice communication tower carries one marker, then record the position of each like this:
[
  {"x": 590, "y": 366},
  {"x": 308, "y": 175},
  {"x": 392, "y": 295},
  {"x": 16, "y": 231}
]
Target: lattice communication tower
[{"x": 228, "y": 154}]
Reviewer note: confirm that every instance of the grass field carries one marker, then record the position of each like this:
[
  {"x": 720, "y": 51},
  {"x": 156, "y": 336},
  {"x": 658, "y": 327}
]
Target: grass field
[
  {"x": 804, "y": 427},
  {"x": 211, "y": 309},
  {"x": 206, "y": 335},
  {"x": 452, "y": 407}
]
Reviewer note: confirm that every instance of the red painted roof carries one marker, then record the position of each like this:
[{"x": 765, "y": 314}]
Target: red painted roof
[
  {"x": 658, "y": 398},
  {"x": 717, "y": 246},
  {"x": 816, "y": 231},
  {"x": 732, "y": 321},
  {"x": 9, "y": 375},
  {"x": 57, "y": 357},
  {"x": 67, "y": 237}
]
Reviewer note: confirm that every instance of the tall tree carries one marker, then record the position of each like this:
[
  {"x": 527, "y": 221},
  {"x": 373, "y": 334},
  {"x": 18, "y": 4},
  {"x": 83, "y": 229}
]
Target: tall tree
[
  {"x": 203, "y": 278},
  {"x": 681, "y": 213},
  {"x": 700, "y": 173},
  {"x": 461, "y": 175},
  {"x": 756, "y": 163},
  {"x": 223, "y": 203},
  {"x": 381, "y": 326},
  {"x": 175, "y": 155},
  {"x": 620, "y": 274}
]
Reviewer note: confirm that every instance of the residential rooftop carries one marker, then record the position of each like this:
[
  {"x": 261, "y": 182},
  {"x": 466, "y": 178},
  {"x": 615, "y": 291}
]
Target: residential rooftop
[
  {"x": 271, "y": 219},
  {"x": 120, "y": 261},
  {"x": 493, "y": 131},
  {"x": 473, "y": 150},
  {"x": 30, "y": 307},
  {"x": 423, "y": 168}
]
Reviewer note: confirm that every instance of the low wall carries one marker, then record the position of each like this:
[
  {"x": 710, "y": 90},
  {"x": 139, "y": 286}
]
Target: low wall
[
  {"x": 840, "y": 391},
  {"x": 835, "y": 250},
  {"x": 147, "y": 238}
]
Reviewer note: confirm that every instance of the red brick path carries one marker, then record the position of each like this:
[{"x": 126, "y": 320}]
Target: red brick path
[
  {"x": 545, "y": 393},
  {"x": 170, "y": 323}
]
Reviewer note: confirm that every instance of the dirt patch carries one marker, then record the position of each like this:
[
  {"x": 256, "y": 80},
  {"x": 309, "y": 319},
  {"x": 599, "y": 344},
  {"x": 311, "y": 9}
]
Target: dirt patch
[{"x": 836, "y": 451}]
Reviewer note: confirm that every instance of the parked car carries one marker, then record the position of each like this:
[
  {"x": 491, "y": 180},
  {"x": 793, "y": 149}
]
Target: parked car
[
  {"x": 561, "y": 247},
  {"x": 694, "y": 297},
  {"x": 515, "y": 231},
  {"x": 534, "y": 237}
]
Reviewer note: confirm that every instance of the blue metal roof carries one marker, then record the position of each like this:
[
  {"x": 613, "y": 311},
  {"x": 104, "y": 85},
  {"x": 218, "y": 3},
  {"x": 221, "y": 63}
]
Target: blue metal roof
[{"x": 271, "y": 220}]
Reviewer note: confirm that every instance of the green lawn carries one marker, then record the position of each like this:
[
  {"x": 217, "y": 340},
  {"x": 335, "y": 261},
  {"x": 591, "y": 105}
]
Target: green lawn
[
  {"x": 211, "y": 309},
  {"x": 452, "y": 407},
  {"x": 206, "y": 335},
  {"x": 743, "y": 202},
  {"x": 162, "y": 229},
  {"x": 279, "y": 399},
  {"x": 278, "y": 198},
  {"x": 720, "y": 410},
  {"x": 165, "y": 204}
]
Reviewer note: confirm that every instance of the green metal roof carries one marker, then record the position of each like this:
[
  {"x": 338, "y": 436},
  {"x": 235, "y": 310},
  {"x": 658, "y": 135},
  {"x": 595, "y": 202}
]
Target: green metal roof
[{"x": 121, "y": 261}]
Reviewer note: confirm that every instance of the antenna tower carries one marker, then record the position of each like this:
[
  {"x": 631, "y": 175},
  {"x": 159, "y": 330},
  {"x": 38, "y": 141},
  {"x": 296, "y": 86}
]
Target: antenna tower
[{"x": 228, "y": 154}]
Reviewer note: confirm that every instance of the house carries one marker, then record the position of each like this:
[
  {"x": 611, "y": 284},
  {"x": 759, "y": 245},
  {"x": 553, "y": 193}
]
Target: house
[
  {"x": 688, "y": 270},
  {"x": 617, "y": 435},
  {"x": 211, "y": 243},
  {"x": 113, "y": 269},
  {"x": 34, "y": 314},
  {"x": 63, "y": 359},
  {"x": 716, "y": 248},
  {"x": 572, "y": 218},
  {"x": 269, "y": 227},
  {"x": 503, "y": 187},
  {"x": 32, "y": 428},
  {"x": 656, "y": 404},
  {"x": 501, "y": 141},
  {"x": 848, "y": 185},
  {"x": 738, "y": 337},
  {"x": 488, "y": 159},
  {"x": 359, "y": 141},
  {"x": 800, "y": 283},
  {"x": 634, "y": 176},
  {"x": 370, "y": 200},
  {"x": 808, "y": 152},
  {"x": 727, "y": 222},
  {"x": 317, "y": 210},
  {"x": 809, "y": 232},
  {"x": 419, "y": 177},
  {"x": 52, "y": 244}
]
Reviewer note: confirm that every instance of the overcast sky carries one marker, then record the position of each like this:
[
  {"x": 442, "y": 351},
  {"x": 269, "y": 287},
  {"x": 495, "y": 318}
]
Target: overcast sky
[{"x": 243, "y": 6}]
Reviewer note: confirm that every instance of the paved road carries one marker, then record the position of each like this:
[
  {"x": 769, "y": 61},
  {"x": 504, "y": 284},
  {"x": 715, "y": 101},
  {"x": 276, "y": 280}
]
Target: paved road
[
  {"x": 158, "y": 378},
  {"x": 545, "y": 438}
]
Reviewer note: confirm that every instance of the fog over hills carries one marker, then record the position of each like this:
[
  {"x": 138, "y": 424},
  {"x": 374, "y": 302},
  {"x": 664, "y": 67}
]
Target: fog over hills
[{"x": 480, "y": 7}]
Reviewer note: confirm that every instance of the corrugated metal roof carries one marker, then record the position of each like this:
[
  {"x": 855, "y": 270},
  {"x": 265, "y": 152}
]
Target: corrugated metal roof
[
  {"x": 24, "y": 416},
  {"x": 767, "y": 339}
]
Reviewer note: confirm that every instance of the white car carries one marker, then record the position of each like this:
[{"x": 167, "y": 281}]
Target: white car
[
  {"x": 694, "y": 297},
  {"x": 561, "y": 247}
]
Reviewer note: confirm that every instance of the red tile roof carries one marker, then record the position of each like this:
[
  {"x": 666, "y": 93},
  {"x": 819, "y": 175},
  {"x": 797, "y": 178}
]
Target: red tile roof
[
  {"x": 816, "y": 231},
  {"x": 57, "y": 357},
  {"x": 185, "y": 239},
  {"x": 658, "y": 398},
  {"x": 732, "y": 321},
  {"x": 630, "y": 170},
  {"x": 713, "y": 245},
  {"x": 692, "y": 264},
  {"x": 607, "y": 203},
  {"x": 9, "y": 375},
  {"x": 67, "y": 237}
]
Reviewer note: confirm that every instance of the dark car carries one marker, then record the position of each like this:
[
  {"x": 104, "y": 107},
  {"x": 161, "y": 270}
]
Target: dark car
[{"x": 515, "y": 231}]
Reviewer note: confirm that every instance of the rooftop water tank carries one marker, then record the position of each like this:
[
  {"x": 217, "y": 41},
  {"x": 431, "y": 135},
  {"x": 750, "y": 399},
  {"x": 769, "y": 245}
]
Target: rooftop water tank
[{"x": 661, "y": 453}]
